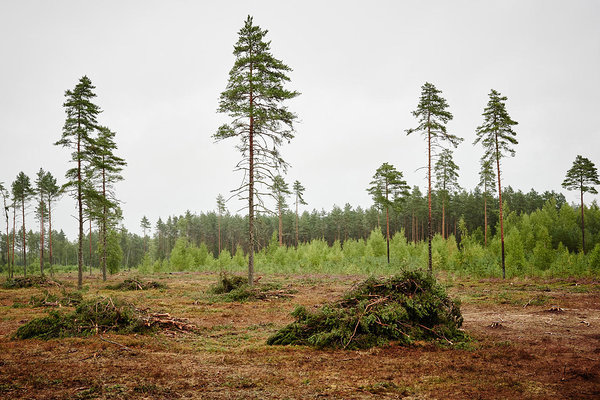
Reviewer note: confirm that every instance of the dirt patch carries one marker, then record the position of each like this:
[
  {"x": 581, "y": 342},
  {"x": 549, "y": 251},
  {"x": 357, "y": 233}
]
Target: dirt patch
[{"x": 536, "y": 354}]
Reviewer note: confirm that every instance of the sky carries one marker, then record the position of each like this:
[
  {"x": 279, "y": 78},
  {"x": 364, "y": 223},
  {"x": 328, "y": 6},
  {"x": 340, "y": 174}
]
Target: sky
[{"x": 160, "y": 66}]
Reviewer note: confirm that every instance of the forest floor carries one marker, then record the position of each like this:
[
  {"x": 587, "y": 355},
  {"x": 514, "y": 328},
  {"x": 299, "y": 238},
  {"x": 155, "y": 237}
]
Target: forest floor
[{"x": 532, "y": 339}]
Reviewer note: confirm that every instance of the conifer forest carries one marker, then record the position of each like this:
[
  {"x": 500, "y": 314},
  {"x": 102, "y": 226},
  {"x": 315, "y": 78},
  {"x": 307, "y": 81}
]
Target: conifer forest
[{"x": 429, "y": 290}]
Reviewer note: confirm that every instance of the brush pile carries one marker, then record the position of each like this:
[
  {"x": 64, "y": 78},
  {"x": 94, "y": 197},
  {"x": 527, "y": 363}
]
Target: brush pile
[
  {"x": 64, "y": 299},
  {"x": 31, "y": 281},
  {"x": 236, "y": 288},
  {"x": 136, "y": 284},
  {"x": 405, "y": 308},
  {"x": 99, "y": 316}
]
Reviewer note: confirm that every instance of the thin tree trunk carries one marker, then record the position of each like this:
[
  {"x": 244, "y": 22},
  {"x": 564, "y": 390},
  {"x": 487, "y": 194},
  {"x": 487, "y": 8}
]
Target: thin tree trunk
[
  {"x": 251, "y": 190},
  {"x": 104, "y": 219},
  {"x": 42, "y": 239},
  {"x": 24, "y": 241},
  {"x": 501, "y": 219},
  {"x": 387, "y": 222},
  {"x": 80, "y": 210},
  {"x": 280, "y": 226},
  {"x": 50, "y": 233},
  {"x": 443, "y": 218},
  {"x": 582, "y": 222},
  {"x": 485, "y": 229},
  {"x": 219, "y": 223},
  {"x": 296, "y": 220},
  {"x": 429, "y": 194},
  {"x": 14, "y": 234},
  {"x": 90, "y": 240},
  {"x": 10, "y": 275}
]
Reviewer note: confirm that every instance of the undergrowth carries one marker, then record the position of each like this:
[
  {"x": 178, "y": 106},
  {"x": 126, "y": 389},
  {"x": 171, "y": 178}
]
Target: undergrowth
[{"x": 405, "y": 308}]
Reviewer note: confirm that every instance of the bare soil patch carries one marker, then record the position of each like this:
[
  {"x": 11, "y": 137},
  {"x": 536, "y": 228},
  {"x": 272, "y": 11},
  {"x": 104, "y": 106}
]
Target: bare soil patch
[{"x": 532, "y": 339}]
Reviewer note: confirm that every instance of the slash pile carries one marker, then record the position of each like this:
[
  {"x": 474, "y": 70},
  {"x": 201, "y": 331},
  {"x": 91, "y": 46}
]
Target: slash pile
[{"x": 404, "y": 308}]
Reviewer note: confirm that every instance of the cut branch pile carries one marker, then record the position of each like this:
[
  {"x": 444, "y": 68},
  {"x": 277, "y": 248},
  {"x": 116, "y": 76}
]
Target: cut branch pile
[
  {"x": 32, "y": 281},
  {"x": 99, "y": 316},
  {"x": 236, "y": 288},
  {"x": 65, "y": 299},
  {"x": 137, "y": 284},
  {"x": 404, "y": 308}
]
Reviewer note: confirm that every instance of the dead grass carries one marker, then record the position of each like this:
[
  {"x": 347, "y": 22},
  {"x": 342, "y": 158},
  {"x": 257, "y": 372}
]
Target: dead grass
[{"x": 536, "y": 355}]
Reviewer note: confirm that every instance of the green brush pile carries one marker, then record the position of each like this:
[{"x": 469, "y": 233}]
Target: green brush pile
[{"x": 405, "y": 308}]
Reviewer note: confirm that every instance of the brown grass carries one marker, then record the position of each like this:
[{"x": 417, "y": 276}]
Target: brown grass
[{"x": 536, "y": 354}]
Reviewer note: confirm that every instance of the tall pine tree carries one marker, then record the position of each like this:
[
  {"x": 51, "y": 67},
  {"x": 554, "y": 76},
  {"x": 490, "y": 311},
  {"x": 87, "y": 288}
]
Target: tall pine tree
[
  {"x": 108, "y": 168},
  {"x": 253, "y": 100},
  {"x": 52, "y": 192},
  {"x": 582, "y": 176},
  {"x": 77, "y": 135},
  {"x": 432, "y": 116},
  {"x": 23, "y": 192},
  {"x": 497, "y": 137}
]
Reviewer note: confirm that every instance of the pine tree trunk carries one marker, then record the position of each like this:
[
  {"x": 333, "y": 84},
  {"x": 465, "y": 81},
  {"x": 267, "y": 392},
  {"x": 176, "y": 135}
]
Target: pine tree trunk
[
  {"x": 90, "y": 242},
  {"x": 42, "y": 240},
  {"x": 13, "y": 236},
  {"x": 429, "y": 195},
  {"x": 444, "y": 218},
  {"x": 220, "y": 233},
  {"x": 80, "y": 210},
  {"x": 582, "y": 222},
  {"x": 387, "y": 222},
  {"x": 104, "y": 219},
  {"x": 24, "y": 241},
  {"x": 280, "y": 226},
  {"x": 50, "y": 233},
  {"x": 501, "y": 218},
  {"x": 251, "y": 190},
  {"x": 7, "y": 243},
  {"x": 485, "y": 220},
  {"x": 297, "y": 221}
]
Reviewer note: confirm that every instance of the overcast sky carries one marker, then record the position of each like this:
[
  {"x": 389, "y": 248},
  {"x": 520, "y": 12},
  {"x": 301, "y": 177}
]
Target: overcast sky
[{"x": 160, "y": 66}]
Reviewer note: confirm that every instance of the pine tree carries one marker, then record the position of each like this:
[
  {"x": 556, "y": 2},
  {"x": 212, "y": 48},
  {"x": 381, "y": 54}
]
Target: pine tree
[
  {"x": 41, "y": 212},
  {"x": 52, "y": 192},
  {"x": 298, "y": 190},
  {"x": 433, "y": 117},
  {"x": 280, "y": 191},
  {"x": 145, "y": 225},
  {"x": 77, "y": 135},
  {"x": 486, "y": 183},
  {"x": 253, "y": 99},
  {"x": 582, "y": 176},
  {"x": 23, "y": 191},
  {"x": 496, "y": 135},
  {"x": 108, "y": 167},
  {"x": 221, "y": 209},
  {"x": 387, "y": 182},
  {"x": 446, "y": 176}
]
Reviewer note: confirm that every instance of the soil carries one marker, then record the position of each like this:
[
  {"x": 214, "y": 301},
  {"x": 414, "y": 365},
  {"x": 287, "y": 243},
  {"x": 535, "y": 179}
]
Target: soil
[{"x": 531, "y": 339}]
